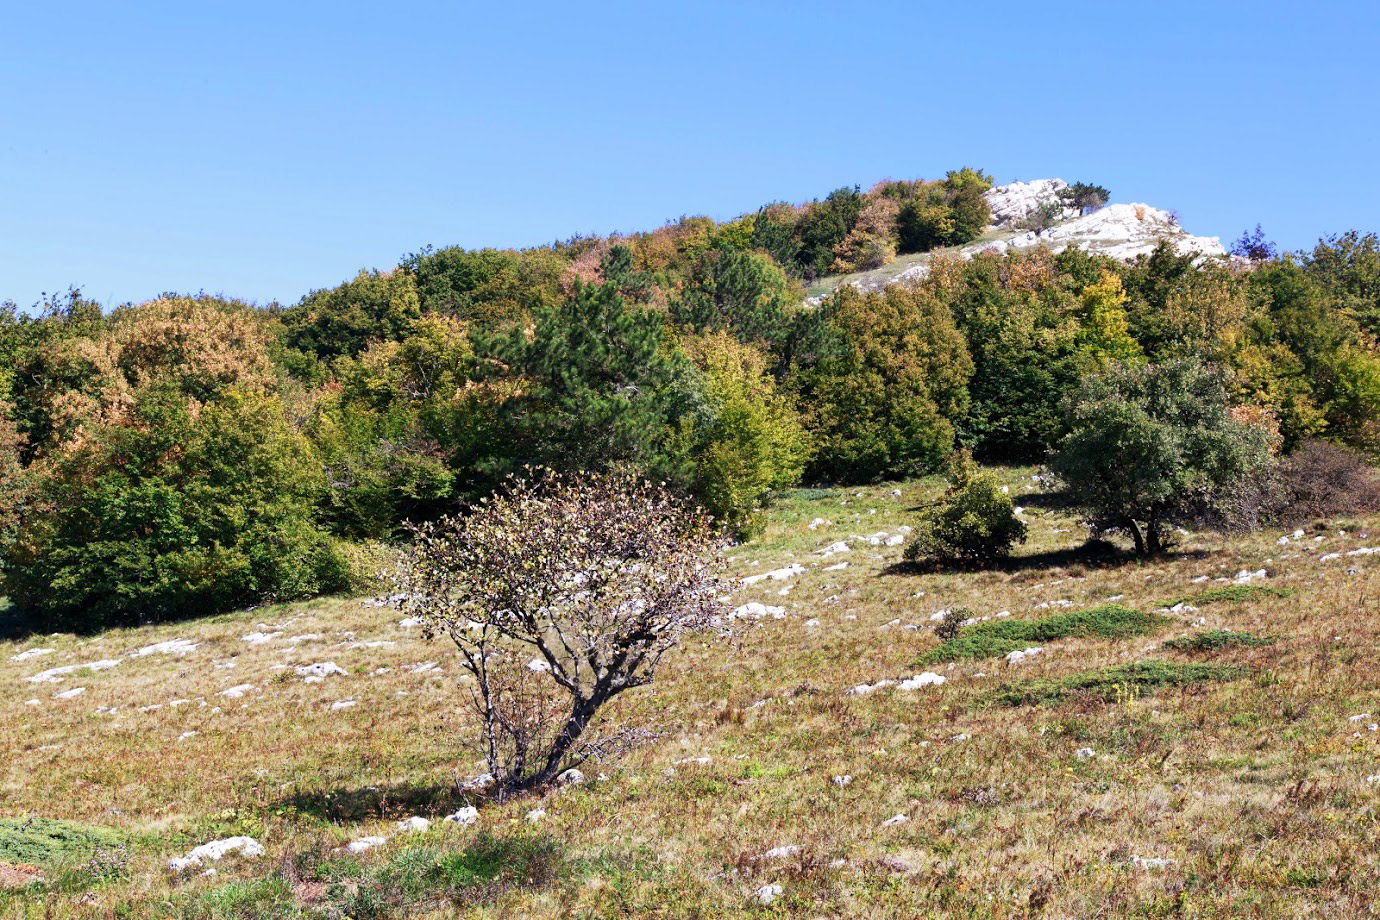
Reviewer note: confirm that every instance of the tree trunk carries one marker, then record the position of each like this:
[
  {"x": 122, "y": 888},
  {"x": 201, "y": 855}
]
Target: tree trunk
[
  {"x": 1154, "y": 540},
  {"x": 1132, "y": 526},
  {"x": 574, "y": 727}
]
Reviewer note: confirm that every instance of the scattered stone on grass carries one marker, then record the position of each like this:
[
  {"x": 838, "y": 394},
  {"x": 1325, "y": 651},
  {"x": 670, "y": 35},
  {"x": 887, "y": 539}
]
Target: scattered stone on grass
[
  {"x": 215, "y": 850},
  {"x": 365, "y": 843},
  {"x": 465, "y": 816}
]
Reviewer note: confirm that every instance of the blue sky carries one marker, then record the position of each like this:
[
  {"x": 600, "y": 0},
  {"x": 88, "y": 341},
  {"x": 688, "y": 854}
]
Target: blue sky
[{"x": 262, "y": 150}]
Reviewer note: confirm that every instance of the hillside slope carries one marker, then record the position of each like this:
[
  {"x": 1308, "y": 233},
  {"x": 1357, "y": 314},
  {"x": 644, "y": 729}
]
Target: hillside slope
[{"x": 1221, "y": 764}]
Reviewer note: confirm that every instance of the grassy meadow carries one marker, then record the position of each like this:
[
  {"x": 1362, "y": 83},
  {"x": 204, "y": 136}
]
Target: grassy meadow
[{"x": 1186, "y": 743}]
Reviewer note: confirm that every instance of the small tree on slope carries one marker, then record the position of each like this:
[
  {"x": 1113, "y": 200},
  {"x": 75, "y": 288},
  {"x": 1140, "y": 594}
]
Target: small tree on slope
[
  {"x": 560, "y": 593},
  {"x": 975, "y": 522},
  {"x": 1155, "y": 445}
]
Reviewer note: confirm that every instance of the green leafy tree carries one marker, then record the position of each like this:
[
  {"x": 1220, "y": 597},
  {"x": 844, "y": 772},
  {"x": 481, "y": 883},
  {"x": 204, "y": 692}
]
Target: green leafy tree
[
  {"x": 385, "y": 432},
  {"x": 1105, "y": 335},
  {"x": 975, "y": 521},
  {"x": 344, "y": 320},
  {"x": 1348, "y": 267},
  {"x": 1084, "y": 196},
  {"x": 595, "y": 384},
  {"x": 823, "y": 226},
  {"x": 487, "y": 288},
  {"x": 1152, "y": 446},
  {"x": 924, "y": 223},
  {"x": 881, "y": 377},
  {"x": 12, "y": 475},
  {"x": 1021, "y": 325},
  {"x": 1306, "y": 357},
  {"x": 773, "y": 232},
  {"x": 752, "y": 444},
  {"x": 970, "y": 210}
]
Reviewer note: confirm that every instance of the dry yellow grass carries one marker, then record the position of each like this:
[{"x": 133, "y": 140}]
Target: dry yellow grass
[{"x": 1256, "y": 790}]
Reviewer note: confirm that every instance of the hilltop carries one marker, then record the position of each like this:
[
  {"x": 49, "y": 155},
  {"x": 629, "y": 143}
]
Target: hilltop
[{"x": 1119, "y": 231}]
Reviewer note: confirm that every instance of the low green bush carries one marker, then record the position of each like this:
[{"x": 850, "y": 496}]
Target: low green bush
[
  {"x": 1217, "y": 639},
  {"x": 999, "y": 637},
  {"x": 1231, "y": 594},
  {"x": 45, "y": 841},
  {"x": 975, "y": 522},
  {"x": 1120, "y": 682}
]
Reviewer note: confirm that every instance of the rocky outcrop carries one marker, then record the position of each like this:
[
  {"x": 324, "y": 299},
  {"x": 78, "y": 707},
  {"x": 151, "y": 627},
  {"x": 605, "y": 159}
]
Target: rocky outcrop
[
  {"x": 1122, "y": 231},
  {"x": 1012, "y": 204}
]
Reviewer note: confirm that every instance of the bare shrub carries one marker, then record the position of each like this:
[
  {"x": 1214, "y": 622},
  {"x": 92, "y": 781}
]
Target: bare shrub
[
  {"x": 1323, "y": 480},
  {"x": 951, "y": 624},
  {"x": 560, "y": 593}
]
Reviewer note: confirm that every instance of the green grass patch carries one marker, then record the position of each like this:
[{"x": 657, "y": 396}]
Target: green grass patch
[
  {"x": 479, "y": 870},
  {"x": 1231, "y": 594},
  {"x": 1121, "y": 682},
  {"x": 521, "y": 859},
  {"x": 998, "y": 637},
  {"x": 46, "y": 842},
  {"x": 270, "y": 898},
  {"x": 1215, "y": 640}
]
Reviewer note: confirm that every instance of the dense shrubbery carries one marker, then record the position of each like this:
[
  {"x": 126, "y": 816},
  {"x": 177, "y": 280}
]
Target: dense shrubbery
[
  {"x": 882, "y": 382},
  {"x": 751, "y": 442},
  {"x": 146, "y": 455},
  {"x": 975, "y": 521},
  {"x": 1321, "y": 480}
]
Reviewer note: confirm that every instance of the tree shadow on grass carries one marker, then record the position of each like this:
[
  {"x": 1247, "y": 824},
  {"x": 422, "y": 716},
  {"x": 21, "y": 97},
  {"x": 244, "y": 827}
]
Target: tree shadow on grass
[
  {"x": 1093, "y": 553},
  {"x": 17, "y": 625},
  {"x": 403, "y": 800},
  {"x": 1045, "y": 501}
]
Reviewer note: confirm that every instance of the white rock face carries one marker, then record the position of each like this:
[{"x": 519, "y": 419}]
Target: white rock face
[
  {"x": 571, "y": 777},
  {"x": 32, "y": 653},
  {"x": 414, "y": 824},
  {"x": 755, "y": 610},
  {"x": 781, "y": 852},
  {"x": 928, "y": 679},
  {"x": 479, "y": 783},
  {"x": 769, "y": 893},
  {"x": 864, "y": 689},
  {"x": 321, "y": 669},
  {"x": 789, "y": 571},
  {"x": 1013, "y": 203},
  {"x": 213, "y": 851},
  {"x": 1122, "y": 231}
]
